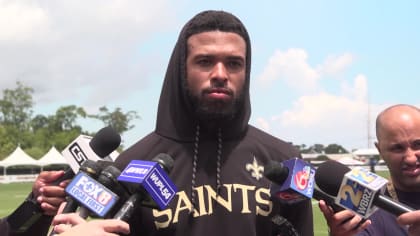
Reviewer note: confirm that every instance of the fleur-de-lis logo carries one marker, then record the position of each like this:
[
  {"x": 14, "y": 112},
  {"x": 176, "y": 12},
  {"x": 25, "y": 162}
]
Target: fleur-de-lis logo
[{"x": 256, "y": 170}]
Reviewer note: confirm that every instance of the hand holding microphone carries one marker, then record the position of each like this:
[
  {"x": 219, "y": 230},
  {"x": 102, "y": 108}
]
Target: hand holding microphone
[
  {"x": 358, "y": 189},
  {"x": 50, "y": 191}
]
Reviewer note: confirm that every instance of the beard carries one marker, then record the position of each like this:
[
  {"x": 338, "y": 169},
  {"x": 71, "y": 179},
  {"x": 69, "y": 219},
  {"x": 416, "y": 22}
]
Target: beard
[{"x": 216, "y": 110}]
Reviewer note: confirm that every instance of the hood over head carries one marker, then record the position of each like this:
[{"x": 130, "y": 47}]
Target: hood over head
[{"x": 176, "y": 118}]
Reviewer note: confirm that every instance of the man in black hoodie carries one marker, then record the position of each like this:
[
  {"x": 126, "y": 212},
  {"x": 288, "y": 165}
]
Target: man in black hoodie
[{"x": 202, "y": 122}]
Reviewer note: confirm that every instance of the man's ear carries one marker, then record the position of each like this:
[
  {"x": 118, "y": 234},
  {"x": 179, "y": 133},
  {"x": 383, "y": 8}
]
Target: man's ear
[{"x": 377, "y": 146}]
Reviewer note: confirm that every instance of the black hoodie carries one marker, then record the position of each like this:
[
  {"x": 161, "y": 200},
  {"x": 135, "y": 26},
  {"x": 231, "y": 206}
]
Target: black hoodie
[{"x": 232, "y": 156}]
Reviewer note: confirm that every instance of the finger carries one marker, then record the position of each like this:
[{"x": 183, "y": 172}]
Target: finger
[
  {"x": 53, "y": 191},
  {"x": 50, "y": 176},
  {"x": 409, "y": 218},
  {"x": 64, "y": 183},
  {"x": 116, "y": 226},
  {"x": 68, "y": 218},
  {"x": 324, "y": 207},
  {"x": 60, "y": 228},
  {"x": 414, "y": 230},
  {"x": 61, "y": 208},
  {"x": 48, "y": 209},
  {"x": 351, "y": 224},
  {"x": 326, "y": 210}
]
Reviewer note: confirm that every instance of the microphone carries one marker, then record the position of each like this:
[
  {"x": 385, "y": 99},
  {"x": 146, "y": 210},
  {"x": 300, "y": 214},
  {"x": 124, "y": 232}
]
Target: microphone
[
  {"x": 84, "y": 147},
  {"x": 277, "y": 173},
  {"x": 292, "y": 180},
  {"x": 281, "y": 226},
  {"x": 357, "y": 189},
  {"x": 156, "y": 189},
  {"x": 96, "y": 196},
  {"x": 89, "y": 168}
]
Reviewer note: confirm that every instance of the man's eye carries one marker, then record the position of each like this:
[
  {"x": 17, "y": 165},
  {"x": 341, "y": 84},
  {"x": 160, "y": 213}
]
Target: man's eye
[
  {"x": 204, "y": 62},
  {"x": 416, "y": 145},
  {"x": 235, "y": 65},
  {"x": 397, "y": 149}
]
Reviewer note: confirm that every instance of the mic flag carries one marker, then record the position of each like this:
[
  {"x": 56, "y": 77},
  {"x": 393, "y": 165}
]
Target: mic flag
[
  {"x": 358, "y": 190},
  {"x": 97, "y": 148},
  {"x": 299, "y": 184},
  {"x": 363, "y": 189},
  {"x": 91, "y": 194},
  {"x": 152, "y": 178}
]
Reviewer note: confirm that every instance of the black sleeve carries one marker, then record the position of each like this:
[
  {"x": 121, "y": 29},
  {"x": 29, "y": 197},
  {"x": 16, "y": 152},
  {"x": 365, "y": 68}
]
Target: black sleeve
[
  {"x": 4, "y": 226},
  {"x": 28, "y": 219},
  {"x": 300, "y": 216}
]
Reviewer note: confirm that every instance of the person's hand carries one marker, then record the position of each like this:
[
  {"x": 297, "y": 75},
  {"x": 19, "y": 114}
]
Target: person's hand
[
  {"x": 342, "y": 223},
  {"x": 412, "y": 219},
  {"x": 72, "y": 224},
  {"x": 48, "y": 196}
]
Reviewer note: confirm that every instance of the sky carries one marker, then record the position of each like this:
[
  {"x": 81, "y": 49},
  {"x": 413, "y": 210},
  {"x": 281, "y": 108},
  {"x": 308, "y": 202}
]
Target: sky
[{"x": 321, "y": 70}]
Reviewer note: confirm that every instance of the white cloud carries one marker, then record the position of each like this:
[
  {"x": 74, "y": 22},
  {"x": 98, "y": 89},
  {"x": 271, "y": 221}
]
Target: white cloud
[
  {"x": 358, "y": 91},
  {"x": 20, "y": 21},
  {"x": 85, "y": 50},
  {"x": 320, "y": 117},
  {"x": 334, "y": 65},
  {"x": 292, "y": 68},
  {"x": 325, "y": 119}
]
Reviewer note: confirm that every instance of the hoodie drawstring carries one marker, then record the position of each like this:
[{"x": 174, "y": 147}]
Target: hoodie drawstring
[{"x": 195, "y": 160}]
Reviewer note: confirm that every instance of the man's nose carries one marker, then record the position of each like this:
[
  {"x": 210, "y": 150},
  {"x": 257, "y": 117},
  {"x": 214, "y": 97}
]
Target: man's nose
[
  {"x": 411, "y": 156},
  {"x": 219, "y": 72}
]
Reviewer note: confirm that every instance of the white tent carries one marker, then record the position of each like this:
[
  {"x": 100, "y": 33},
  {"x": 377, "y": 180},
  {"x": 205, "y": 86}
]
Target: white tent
[
  {"x": 350, "y": 161},
  {"x": 52, "y": 157},
  {"x": 18, "y": 158},
  {"x": 366, "y": 152}
]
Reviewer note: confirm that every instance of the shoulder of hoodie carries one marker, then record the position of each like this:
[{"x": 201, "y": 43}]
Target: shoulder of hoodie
[
  {"x": 273, "y": 143},
  {"x": 138, "y": 151}
]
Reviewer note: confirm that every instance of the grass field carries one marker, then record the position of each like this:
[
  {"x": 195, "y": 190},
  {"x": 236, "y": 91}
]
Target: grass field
[{"x": 11, "y": 195}]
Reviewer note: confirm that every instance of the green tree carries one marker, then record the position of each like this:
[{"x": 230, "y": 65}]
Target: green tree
[
  {"x": 16, "y": 106},
  {"x": 65, "y": 118},
  {"x": 318, "y": 148},
  {"x": 7, "y": 144},
  {"x": 117, "y": 119},
  {"x": 335, "y": 149}
]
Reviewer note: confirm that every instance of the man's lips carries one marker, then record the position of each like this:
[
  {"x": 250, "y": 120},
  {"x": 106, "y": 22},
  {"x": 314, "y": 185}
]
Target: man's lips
[
  {"x": 218, "y": 93},
  {"x": 411, "y": 170}
]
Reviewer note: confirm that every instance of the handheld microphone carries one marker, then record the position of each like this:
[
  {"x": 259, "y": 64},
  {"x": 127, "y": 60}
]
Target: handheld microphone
[
  {"x": 89, "y": 168},
  {"x": 93, "y": 195},
  {"x": 156, "y": 189},
  {"x": 277, "y": 173},
  {"x": 84, "y": 147},
  {"x": 358, "y": 190},
  {"x": 293, "y": 180}
]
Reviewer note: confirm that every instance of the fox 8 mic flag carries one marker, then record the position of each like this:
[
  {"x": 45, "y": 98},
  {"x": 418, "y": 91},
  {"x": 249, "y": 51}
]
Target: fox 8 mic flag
[{"x": 91, "y": 194}]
